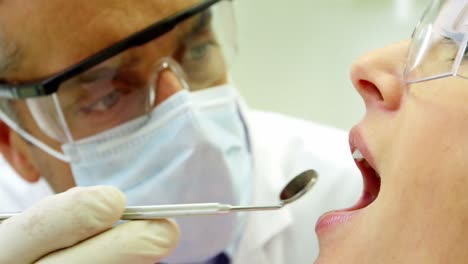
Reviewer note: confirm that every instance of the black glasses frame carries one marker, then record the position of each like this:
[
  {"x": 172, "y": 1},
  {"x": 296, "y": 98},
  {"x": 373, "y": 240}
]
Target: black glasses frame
[{"x": 51, "y": 85}]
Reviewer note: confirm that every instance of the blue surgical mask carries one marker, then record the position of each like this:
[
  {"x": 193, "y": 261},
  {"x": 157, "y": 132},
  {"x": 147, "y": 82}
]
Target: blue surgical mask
[{"x": 193, "y": 148}]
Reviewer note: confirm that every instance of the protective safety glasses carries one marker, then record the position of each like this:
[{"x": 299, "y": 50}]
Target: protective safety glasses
[
  {"x": 117, "y": 84},
  {"x": 439, "y": 43}
]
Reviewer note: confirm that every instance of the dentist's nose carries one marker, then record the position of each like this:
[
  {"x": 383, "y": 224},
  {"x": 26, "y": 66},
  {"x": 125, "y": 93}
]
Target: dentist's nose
[
  {"x": 378, "y": 76},
  {"x": 167, "y": 84}
]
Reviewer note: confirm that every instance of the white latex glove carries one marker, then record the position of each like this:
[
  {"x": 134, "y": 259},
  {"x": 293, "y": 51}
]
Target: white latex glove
[{"x": 76, "y": 227}]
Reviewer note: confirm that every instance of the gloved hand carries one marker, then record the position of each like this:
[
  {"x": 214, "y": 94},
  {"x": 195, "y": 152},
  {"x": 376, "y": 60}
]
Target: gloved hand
[{"x": 76, "y": 227}]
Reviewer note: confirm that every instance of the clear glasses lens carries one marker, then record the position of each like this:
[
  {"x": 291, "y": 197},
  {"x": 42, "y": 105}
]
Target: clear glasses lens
[
  {"x": 439, "y": 42},
  {"x": 122, "y": 88}
]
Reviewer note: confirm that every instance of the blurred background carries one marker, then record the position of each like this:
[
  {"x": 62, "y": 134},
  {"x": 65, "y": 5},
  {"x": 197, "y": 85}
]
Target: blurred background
[{"x": 295, "y": 55}]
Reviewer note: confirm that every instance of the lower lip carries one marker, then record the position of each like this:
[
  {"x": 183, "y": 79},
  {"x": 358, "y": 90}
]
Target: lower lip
[{"x": 333, "y": 219}]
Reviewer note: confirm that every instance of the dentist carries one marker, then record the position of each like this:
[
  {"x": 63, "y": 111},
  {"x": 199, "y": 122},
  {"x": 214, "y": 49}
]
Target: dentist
[{"x": 133, "y": 104}]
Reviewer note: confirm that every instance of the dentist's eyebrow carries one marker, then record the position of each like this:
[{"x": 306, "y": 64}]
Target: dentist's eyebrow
[{"x": 203, "y": 21}]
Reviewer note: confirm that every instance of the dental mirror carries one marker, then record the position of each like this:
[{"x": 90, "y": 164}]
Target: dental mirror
[{"x": 295, "y": 189}]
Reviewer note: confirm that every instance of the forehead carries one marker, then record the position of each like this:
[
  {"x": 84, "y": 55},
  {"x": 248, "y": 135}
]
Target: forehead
[{"x": 51, "y": 34}]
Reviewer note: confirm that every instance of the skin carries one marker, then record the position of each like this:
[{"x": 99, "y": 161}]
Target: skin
[
  {"x": 417, "y": 135},
  {"x": 56, "y": 36}
]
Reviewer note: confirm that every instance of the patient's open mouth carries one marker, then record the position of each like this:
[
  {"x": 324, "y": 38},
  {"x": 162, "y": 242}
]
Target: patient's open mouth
[{"x": 371, "y": 180}]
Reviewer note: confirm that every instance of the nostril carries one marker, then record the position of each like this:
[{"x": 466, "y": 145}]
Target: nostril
[
  {"x": 369, "y": 91},
  {"x": 377, "y": 76}
]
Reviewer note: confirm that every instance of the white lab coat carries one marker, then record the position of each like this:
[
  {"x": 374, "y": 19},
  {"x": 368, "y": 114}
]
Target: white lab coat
[{"x": 282, "y": 147}]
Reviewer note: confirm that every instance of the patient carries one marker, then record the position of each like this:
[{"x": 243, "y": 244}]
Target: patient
[{"x": 412, "y": 149}]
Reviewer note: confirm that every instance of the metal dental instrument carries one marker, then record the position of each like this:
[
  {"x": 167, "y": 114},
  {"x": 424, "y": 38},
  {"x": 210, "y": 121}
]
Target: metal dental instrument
[{"x": 297, "y": 187}]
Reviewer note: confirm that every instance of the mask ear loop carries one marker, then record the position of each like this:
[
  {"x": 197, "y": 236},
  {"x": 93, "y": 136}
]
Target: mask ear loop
[
  {"x": 32, "y": 139},
  {"x": 61, "y": 119},
  {"x": 28, "y": 137}
]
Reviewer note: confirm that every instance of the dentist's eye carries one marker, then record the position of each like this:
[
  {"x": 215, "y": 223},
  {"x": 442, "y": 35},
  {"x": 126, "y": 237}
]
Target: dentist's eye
[
  {"x": 199, "y": 43},
  {"x": 198, "y": 57},
  {"x": 104, "y": 103},
  {"x": 201, "y": 55},
  {"x": 197, "y": 52}
]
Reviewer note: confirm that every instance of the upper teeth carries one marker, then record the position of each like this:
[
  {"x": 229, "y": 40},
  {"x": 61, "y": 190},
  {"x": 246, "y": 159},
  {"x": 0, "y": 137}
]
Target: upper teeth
[{"x": 357, "y": 155}]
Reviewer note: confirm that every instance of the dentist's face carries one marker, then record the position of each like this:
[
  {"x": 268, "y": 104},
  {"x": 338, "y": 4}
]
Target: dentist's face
[
  {"x": 51, "y": 35},
  {"x": 414, "y": 139}
]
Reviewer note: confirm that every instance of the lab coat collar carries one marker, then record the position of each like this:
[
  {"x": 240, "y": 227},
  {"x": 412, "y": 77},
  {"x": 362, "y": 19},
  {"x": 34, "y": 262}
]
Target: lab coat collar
[{"x": 262, "y": 227}]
